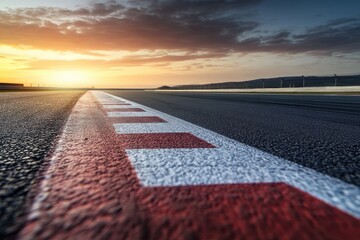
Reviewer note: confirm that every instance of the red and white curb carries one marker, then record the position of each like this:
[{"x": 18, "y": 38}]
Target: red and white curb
[
  {"x": 192, "y": 182},
  {"x": 227, "y": 162}
]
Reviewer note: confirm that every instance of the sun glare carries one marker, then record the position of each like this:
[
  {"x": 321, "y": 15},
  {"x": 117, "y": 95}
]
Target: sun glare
[{"x": 71, "y": 78}]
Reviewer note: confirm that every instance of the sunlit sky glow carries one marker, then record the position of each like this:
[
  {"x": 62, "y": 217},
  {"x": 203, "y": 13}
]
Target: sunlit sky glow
[{"x": 133, "y": 43}]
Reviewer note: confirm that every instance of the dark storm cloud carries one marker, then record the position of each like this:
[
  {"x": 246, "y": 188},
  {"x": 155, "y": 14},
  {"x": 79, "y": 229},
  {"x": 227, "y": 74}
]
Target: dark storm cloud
[
  {"x": 339, "y": 35},
  {"x": 205, "y": 7},
  {"x": 217, "y": 27}
]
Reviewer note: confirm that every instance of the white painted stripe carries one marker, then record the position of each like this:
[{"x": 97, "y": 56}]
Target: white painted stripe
[
  {"x": 130, "y": 114},
  {"x": 146, "y": 128},
  {"x": 111, "y": 103},
  {"x": 108, "y": 100},
  {"x": 117, "y": 106},
  {"x": 232, "y": 162}
]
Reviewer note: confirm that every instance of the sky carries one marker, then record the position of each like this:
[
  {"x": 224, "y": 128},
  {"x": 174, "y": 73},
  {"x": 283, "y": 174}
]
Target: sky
[{"x": 150, "y": 43}]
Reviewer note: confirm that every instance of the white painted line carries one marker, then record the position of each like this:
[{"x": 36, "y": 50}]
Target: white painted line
[
  {"x": 107, "y": 101},
  {"x": 117, "y": 106},
  {"x": 194, "y": 157},
  {"x": 130, "y": 114},
  {"x": 129, "y": 128},
  {"x": 232, "y": 162}
]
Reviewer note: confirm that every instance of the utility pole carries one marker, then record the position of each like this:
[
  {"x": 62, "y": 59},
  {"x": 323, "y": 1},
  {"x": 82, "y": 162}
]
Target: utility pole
[
  {"x": 335, "y": 80},
  {"x": 263, "y": 83},
  {"x": 281, "y": 83},
  {"x": 303, "y": 77}
]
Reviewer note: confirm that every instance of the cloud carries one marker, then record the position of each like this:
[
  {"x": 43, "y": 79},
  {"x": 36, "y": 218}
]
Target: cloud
[
  {"x": 126, "y": 61},
  {"x": 217, "y": 27},
  {"x": 337, "y": 36},
  {"x": 186, "y": 25}
]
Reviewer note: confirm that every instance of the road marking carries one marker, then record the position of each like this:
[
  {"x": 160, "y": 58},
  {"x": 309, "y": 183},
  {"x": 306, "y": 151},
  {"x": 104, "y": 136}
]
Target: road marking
[
  {"x": 137, "y": 120},
  {"x": 127, "y": 109},
  {"x": 147, "y": 128},
  {"x": 111, "y": 102},
  {"x": 131, "y": 114},
  {"x": 162, "y": 140},
  {"x": 121, "y": 105},
  {"x": 229, "y": 162}
]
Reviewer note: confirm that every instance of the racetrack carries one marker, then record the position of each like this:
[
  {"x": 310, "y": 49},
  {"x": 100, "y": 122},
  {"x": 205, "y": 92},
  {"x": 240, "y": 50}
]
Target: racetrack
[
  {"x": 318, "y": 131},
  {"x": 155, "y": 165}
]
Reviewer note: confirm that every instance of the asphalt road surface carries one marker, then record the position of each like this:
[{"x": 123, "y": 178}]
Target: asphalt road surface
[
  {"x": 29, "y": 123},
  {"x": 317, "y": 131}
]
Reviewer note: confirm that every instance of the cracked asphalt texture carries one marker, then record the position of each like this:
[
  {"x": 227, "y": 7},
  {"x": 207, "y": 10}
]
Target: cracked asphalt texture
[
  {"x": 29, "y": 123},
  {"x": 317, "y": 131}
]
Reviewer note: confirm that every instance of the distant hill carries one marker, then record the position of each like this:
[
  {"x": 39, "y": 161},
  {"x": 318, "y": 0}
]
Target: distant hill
[{"x": 279, "y": 82}]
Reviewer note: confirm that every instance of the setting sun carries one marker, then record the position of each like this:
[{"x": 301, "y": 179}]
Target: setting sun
[{"x": 70, "y": 78}]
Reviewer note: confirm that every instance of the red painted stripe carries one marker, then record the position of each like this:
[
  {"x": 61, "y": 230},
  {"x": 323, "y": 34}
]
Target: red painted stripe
[
  {"x": 137, "y": 120},
  {"x": 125, "y": 110},
  {"x": 162, "y": 140},
  {"x": 243, "y": 211}
]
